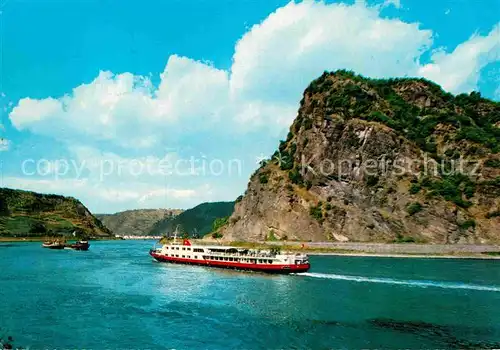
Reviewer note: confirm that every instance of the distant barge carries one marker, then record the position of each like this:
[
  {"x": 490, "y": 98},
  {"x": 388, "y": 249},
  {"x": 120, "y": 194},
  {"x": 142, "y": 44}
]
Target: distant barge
[
  {"x": 231, "y": 258},
  {"x": 80, "y": 245}
]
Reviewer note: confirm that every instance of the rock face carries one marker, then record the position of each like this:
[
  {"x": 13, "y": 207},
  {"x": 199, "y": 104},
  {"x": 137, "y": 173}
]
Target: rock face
[
  {"x": 136, "y": 222},
  {"x": 30, "y": 214},
  {"x": 369, "y": 160}
]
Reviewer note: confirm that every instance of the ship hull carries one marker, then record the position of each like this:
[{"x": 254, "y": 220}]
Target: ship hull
[
  {"x": 53, "y": 246},
  {"x": 79, "y": 246},
  {"x": 268, "y": 268}
]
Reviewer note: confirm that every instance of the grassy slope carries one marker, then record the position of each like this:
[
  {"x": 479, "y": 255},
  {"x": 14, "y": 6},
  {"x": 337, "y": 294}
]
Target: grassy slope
[
  {"x": 197, "y": 220},
  {"x": 30, "y": 214}
]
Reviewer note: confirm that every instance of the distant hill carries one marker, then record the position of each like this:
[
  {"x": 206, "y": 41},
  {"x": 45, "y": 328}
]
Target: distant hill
[
  {"x": 30, "y": 214},
  {"x": 196, "y": 221},
  {"x": 136, "y": 222}
]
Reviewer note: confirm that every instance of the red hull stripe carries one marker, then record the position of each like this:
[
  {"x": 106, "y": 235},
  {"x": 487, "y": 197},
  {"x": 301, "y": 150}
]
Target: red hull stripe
[{"x": 234, "y": 265}]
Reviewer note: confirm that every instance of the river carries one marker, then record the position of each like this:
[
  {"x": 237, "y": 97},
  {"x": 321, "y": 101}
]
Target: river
[{"x": 115, "y": 297}]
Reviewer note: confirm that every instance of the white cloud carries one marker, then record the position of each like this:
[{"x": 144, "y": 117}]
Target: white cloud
[
  {"x": 395, "y": 3},
  {"x": 69, "y": 187},
  {"x": 4, "y": 145},
  {"x": 459, "y": 70},
  {"x": 105, "y": 179},
  {"x": 30, "y": 112},
  {"x": 197, "y": 105},
  {"x": 272, "y": 65},
  {"x": 278, "y": 58},
  {"x": 169, "y": 192},
  {"x": 127, "y": 109},
  {"x": 122, "y": 195}
]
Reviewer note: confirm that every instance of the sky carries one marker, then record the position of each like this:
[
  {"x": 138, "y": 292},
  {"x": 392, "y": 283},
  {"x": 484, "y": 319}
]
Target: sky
[{"x": 171, "y": 103}]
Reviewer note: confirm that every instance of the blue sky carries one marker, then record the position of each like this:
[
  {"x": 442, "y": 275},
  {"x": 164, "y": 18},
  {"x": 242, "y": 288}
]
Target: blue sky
[{"x": 171, "y": 103}]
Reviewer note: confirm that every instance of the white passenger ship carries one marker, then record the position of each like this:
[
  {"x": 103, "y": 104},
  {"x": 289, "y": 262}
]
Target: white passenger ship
[{"x": 271, "y": 261}]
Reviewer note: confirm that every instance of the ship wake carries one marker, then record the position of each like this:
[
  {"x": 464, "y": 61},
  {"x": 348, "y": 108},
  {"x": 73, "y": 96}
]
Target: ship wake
[{"x": 409, "y": 283}]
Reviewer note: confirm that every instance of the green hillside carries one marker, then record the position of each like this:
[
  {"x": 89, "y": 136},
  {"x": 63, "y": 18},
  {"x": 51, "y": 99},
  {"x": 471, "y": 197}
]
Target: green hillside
[
  {"x": 196, "y": 221},
  {"x": 30, "y": 214}
]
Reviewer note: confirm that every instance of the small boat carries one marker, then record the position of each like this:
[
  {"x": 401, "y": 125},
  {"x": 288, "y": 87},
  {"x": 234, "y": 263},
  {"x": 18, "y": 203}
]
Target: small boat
[
  {"x": 53, "y": 245},
  {"x": 272, "y": 261},
  {"x": 80, "y": 245}
]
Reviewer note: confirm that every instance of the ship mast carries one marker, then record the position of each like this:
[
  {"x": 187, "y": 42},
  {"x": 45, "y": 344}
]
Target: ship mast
[{"x": 175, "y": 234}]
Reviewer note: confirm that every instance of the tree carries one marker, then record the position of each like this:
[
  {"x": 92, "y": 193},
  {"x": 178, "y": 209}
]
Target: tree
[
  {"x": 38, "y": 227},
  {"x": 219, "y": 223}
]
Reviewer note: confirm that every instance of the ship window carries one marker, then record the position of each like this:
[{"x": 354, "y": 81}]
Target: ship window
[
  {"x": 270, "y": 261},
  {"x": 183, "y": 256}
]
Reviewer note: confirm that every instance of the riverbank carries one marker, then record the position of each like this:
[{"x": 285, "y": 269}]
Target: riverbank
[
  {"x": 486, "y": 255},
  {"x": 42, "y": 239},
  {"x": 390, "y": 250}
]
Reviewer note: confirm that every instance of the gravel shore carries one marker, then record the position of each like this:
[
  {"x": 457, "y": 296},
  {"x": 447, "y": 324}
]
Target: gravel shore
[{"x": 399, "y": 250}]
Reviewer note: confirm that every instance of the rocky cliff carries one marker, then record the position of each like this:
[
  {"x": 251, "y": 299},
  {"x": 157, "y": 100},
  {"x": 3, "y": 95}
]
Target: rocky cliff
[
  {"x": 30, "y": 214},
  {"x": 396, "y": 160},
  {"x": 136, "y": 222}
]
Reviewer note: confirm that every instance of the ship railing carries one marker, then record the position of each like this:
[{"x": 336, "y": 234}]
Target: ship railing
[{"x": 239, "y": 255}]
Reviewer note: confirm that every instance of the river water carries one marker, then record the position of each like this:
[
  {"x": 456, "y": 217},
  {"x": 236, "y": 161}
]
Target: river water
[{"x": 115, "y": 297}]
